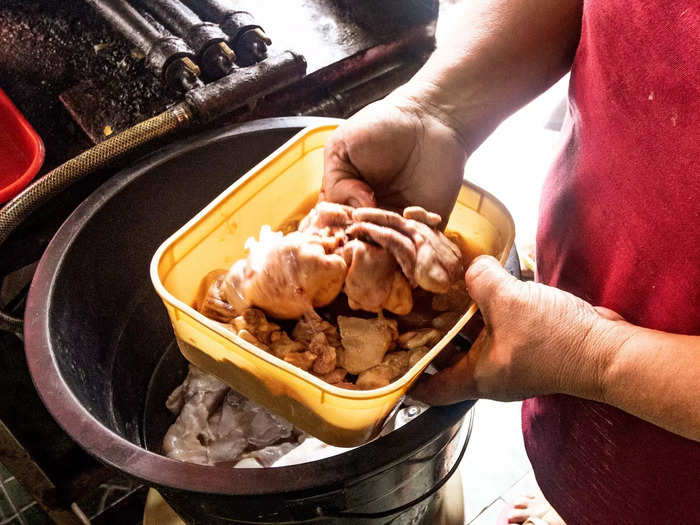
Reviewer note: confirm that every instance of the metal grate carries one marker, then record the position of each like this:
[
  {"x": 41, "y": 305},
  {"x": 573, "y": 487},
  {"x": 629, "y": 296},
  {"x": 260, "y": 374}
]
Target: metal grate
[{"x": 17, "y": 507}]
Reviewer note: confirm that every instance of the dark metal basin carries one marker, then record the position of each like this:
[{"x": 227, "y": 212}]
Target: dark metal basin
[{"x": 95, "y": 331}]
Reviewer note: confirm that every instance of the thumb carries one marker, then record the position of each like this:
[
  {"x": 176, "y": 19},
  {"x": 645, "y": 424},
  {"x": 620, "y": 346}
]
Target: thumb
[
  {"x": 485, "y": 278},
  {"x": 454, "y": 383},
  {"x": 350, "y": 191},
  {"x": 342, "y": 182}
]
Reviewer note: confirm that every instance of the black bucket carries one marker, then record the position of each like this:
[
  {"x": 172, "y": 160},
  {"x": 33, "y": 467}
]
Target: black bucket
[{"x": 95, "y": 332}]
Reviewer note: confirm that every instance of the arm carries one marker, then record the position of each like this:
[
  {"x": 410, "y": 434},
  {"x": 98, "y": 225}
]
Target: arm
[
  {"x": 539, "y": 340},
  {"x": 410, "y": 148},
  {"x": 655, "y": 376},
  {"x": 497, "y": 56}
]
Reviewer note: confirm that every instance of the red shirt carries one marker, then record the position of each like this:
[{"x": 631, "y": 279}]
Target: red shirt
[{"x": 620, "y": 227}]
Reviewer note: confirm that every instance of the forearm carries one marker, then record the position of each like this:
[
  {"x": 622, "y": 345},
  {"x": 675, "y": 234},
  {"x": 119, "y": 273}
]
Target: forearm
[
  {"x": 498, "y": 55},
  {"x": 650, "y": 374}
]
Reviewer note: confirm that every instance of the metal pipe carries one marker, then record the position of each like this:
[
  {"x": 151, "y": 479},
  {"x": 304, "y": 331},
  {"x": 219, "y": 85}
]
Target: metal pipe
[
  {"x": 174, "y": 15},
  {"x": 247, "y": 38},
  {"x": 148, "y": 17},
  {"x": 167, "y": 56},
  {"x": 344, "y": 101},
  {"x": 206, "y": 38},
  {"x": 127, "y": 21},
  {"x": 203, "y": 104},
  {"x": 246, "y": 87}
]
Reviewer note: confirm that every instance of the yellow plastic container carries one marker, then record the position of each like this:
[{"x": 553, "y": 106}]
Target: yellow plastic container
[{"x": 270, "y": 193}]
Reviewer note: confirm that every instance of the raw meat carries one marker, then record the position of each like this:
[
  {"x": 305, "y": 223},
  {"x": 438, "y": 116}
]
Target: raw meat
[
  {"x": 417, "y": 338},
  {"x": 393, "y": 366},
  {"x": 426, "y": 256},
  {"x": 255, "y": 322},
  {"x": 285, "y": 275},
  {"x": 455, "y": 299},
  {"x": 445, "y": 321},
  {"x": 324, "y": 352},
  {"x": 377, "y": 258},
  {"x": 365, "y": 341},
  {"x": 328, "y": 221},
  {"x": 210, "y": 298},
  {"x": 310, "y": 325},
  {"x": 374, "y": 255},
  {"x": 282, "y": 345},
  {"x": 334, "y": 376},
  {"x": 374, "y": 281},
  {"x": 217, "y": 425}
]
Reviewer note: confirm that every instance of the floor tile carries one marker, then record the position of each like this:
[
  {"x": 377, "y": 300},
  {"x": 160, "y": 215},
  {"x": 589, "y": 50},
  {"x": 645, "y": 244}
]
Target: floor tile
[
  {"x": 19, "y": 497},
  {"x": 527, "y": 485},
  {"x": 106, "y": 494},
  {"x": 5, "y": 509},
  {"x": 35, "y": 515},
  {"x": 495, "y": 458},
  {"x": 4, "y": 473},
  {"x": 490, "y": 515}
]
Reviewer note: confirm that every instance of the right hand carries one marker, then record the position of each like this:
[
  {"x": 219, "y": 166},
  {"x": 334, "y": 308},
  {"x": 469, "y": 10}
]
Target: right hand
[{"x": 393, "y": 154}]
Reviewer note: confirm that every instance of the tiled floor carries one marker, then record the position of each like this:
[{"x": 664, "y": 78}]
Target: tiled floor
[
  {"x": 495, "y": 471},
  {"x": 16, "y": 506},
  {"x": 495, "y": 462}
]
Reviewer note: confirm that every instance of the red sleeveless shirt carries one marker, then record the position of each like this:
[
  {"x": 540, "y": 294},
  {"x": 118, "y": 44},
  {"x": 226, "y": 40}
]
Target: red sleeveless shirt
[{"x": 620, "y": 227}]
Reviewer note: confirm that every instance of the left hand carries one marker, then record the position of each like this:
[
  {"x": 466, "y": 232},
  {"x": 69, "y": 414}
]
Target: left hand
[{"x": 537, "y": 340}]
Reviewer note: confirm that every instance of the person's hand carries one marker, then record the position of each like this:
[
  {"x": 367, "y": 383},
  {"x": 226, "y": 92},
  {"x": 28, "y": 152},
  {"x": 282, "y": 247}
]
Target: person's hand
[
  {"x": 394, "y": 154},
  {"x": 537, "y": 340},
  {"x": 426, "y": 256}
]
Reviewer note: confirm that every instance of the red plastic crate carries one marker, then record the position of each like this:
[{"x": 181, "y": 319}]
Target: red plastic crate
[{"x": 21, "y": 150}]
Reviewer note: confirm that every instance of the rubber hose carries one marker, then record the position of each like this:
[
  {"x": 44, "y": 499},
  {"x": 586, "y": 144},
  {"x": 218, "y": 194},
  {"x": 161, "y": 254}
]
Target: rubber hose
[{"x": 60, "y": 178}]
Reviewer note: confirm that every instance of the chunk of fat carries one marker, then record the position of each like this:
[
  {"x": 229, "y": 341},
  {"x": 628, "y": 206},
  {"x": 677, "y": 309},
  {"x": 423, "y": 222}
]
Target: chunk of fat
[{"x": 365, "y": 341}]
